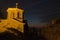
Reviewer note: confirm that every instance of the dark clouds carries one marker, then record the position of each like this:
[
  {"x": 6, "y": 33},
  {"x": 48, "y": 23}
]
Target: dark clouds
[{"x": 51, "y": 11}]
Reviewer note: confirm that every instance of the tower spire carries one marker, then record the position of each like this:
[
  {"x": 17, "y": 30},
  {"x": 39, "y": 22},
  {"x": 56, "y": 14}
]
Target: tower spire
[{"x": 16, "y": 5}]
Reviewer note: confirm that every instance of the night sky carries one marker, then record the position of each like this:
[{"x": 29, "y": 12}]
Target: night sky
[{"x": 35, "y": 11}]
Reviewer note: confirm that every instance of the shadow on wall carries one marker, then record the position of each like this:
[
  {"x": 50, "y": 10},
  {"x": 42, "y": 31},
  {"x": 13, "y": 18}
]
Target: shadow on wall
[{"x": 10, "y": 36}]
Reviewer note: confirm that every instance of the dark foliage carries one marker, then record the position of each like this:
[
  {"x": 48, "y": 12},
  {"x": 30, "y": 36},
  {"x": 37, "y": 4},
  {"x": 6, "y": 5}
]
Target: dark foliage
[{"x": 10, "y": 36}]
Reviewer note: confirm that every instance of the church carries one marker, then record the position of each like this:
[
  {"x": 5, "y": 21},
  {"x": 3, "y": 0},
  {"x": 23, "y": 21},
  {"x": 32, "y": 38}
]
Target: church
[{"x": 14, "y": 19}]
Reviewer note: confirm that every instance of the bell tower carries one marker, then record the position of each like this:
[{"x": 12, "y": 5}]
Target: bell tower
[
  {"x": 15, "y": 13},
  {"x": 15, "y": 18}
]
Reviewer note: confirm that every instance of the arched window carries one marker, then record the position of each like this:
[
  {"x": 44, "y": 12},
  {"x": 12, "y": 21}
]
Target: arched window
[
  {"x": 13, "y": 15},
  {"x": 18, "y": 15}
]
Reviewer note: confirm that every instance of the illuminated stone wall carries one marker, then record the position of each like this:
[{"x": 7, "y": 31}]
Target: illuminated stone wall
[{"x": 14, "y": 20}]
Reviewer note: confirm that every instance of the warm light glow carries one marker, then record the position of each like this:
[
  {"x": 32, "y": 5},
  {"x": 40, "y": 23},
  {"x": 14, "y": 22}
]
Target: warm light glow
[
  {"x": 16, "y": 5},
  {"x": 14, "y": 20}
]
